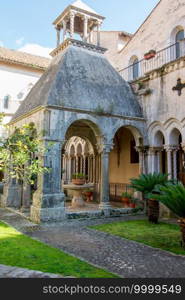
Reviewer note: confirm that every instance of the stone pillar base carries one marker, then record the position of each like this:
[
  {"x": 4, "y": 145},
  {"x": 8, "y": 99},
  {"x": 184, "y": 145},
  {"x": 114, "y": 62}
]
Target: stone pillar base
[
  {"x": 11, "y": 196},
  {"x": 105, "y": 209},
  {"x": 48, "y": 208},
  {"x": 164, "y": 212},
  {"x": 39, "y": 215}
]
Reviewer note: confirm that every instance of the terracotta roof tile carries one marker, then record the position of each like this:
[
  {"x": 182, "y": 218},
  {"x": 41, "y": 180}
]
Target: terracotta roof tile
[{"x": 22, "y": 58}]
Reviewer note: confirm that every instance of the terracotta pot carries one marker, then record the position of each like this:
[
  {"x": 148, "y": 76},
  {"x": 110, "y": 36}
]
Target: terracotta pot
[
  {"x": 149, "y": 56},
  {"x": 182, "y": 227},
  {"x": 132, "y": 205},
  {"x": 78, "y": 181},
  {"x": 153, "y": 211},
  {"x": 126, "y": 200},
  {"x": 88, "y": 196}
]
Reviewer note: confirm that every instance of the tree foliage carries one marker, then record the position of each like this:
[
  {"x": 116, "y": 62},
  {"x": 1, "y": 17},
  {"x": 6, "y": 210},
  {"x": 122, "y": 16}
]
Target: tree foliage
[{"x": 20, "y": 154}]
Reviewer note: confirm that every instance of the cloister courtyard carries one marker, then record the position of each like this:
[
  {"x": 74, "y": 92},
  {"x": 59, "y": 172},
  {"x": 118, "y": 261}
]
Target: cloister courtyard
[{"x": 92, "y": 150}]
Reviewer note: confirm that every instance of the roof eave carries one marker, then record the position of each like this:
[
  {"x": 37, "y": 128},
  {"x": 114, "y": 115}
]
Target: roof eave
[
  {"x": 62, "y": 15},
  {"x": 14, "y": 62}
]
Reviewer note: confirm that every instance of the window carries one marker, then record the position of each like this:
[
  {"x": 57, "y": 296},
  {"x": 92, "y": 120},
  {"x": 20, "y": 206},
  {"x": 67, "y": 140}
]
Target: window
[
  {"x": 6, "y": 101},
  {"x": 135, "y": 70},
  {"x": 179, "y": 36}
]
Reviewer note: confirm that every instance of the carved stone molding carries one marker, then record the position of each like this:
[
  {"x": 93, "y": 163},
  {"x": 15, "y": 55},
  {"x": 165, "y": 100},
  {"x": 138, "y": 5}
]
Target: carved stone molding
[{"x": 77, "y": 43}]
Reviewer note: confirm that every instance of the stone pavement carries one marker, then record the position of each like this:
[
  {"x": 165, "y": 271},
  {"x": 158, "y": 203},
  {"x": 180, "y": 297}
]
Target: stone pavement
[
  {"x": 126, "y": 258},
  {"x": 14, "y": 272}
]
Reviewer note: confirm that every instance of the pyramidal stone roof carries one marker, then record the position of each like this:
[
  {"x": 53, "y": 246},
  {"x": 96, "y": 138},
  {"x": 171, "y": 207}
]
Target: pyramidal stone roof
[
  {"x": 83, "y": 6},
  {"x": 82, "y": 79}
]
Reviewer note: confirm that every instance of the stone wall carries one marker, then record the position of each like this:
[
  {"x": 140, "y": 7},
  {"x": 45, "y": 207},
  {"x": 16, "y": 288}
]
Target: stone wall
[{"x": 157, "y": 32}]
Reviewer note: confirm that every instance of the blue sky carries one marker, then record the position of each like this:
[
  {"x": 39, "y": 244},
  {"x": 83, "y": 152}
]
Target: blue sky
[{"x": 30, "y": 22}]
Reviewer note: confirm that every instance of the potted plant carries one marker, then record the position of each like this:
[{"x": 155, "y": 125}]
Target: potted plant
[
  {"x": 126, "y": 197},
  {"x": 88, "y": 194},
  {"x": 173, "y": 197},
  {"x": 78, "y": 179},
  {"x": 147, "y": 184},
  {"x": 133, "y": 203},
  {"x": 150, "y": 54}
]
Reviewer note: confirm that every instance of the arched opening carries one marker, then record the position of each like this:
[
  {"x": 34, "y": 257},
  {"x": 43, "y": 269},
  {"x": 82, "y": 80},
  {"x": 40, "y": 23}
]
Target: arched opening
[
  {"x": 178, "y": 38},
  {"x": 124, "y": 163},
  {"x": 177, "y": 35},
  {"x": 134, "y": 68},
  {"x": 81, "y": 159}
]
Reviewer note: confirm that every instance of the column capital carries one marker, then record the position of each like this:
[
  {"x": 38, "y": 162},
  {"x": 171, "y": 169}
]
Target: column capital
[
  {"x": 99, "y": 22},
  {"x": 85, "y": 17},
  {"x": 142, "y": 149},
  {"x": 171, "y": 148},
  {"x": 105, "y": 148},
  {"x": 183, "y": 146},
  {"x": 58, "y": 28},
  {"x": 72, "y": 13},
  {"x": 152, "y": 150}
]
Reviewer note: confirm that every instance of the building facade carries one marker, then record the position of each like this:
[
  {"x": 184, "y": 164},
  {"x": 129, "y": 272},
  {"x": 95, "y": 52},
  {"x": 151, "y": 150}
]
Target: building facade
[
  {"x": 111, "y": 116},
  {"x": 18, "y": 74},
  {"x": 158, "y": 81}
]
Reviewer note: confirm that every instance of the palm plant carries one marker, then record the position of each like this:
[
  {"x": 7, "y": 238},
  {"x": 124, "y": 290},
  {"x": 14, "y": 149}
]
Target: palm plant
[
  {"x": 146, "y": 184},
  {"x": 173, "y": 197}
]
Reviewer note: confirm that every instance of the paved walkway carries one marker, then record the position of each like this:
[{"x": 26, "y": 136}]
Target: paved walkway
[
  {"x": 14, "y": 272},
  {"x": 126, "y": 258}
]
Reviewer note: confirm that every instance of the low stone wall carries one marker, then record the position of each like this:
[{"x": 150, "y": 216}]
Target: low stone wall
[{"x": 117, "y": 212}]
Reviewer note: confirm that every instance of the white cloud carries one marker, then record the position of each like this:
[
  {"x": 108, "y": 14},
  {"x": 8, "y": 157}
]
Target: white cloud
[
  {"x": 1, "y": 44},
  {"x": 36, "y": 50},
  {"x": 20, "y": 41}
]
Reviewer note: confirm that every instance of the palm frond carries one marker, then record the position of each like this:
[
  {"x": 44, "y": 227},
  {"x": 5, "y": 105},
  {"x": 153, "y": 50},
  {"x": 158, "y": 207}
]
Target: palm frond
[
  {"x": 173, "y": 197},
  {"x": 147, "y": 182}
]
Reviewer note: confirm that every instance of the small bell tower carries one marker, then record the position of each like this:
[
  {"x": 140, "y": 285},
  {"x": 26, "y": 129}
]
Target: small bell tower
[{"x": 78, "y": 19}]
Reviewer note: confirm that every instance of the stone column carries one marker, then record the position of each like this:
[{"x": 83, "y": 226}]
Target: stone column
[
  {"x": 64, "y": 167},
  {"x": 94, "y": 169},
  {"x": 90, "y": 38},
  {"x": 26, "y": 196},
  {"x": 64, "y": 30},
  {"x": 158, "y": 162},
  {"x": 58, "y": 35},
  {"x": 72, "y": 19},
  {"x": 85, "y": 33},
  {"x": 104, "y": 197},
  {"x": 175, "y": 163},
  {"x": 98, "y": 33},
  {"x": 84, "y": 164},
  {"x": 169, "y": 160},
  {"x": 69, "y": 170},
  {"x": 81, "y": 164},
  {"x": 12, "y": 193},
  {"x": 151, "y": 160},
  {"x": 145, "y": 158},
  {"x": 89, "y": 162},
  {"x": 77, "y": 163},
  {"x": 48, "y": 200},
  {"x": 141, "y": 159}
]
